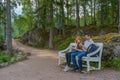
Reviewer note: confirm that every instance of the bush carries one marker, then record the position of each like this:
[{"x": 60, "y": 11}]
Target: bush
[
  {"x": 66, "y": 43},
  {"x": 37, "y": 44},
  {"x": 6, "y": 58},
  {"x": 2, "y": 39},
  {"x": 57, "y": 41},
  {"x": 115, "y": 64}
]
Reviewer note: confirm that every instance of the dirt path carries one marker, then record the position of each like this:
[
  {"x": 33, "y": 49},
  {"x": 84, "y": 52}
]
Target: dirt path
[{"x": 42, "y": 65}]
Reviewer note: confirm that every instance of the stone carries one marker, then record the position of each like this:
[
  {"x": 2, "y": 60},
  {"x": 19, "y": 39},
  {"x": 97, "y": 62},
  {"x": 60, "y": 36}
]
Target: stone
[
  {"x": 111, "y": 48},
  {"x": 12, "y": 60},
  {"x": 28, "y": 54}
]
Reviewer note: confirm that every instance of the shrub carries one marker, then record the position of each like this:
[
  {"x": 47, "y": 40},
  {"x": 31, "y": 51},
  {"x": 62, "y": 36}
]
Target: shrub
[
  {"x": 6, "y": 58},
  {"x": 66, "y": 43},
  {"x": 2, "y": 39},
  {"x": 37, "y": 44},
  {"x": 1, "y": 61},
  {"x": 57, "y": 41},
  {"x": 116, "y": 64}
]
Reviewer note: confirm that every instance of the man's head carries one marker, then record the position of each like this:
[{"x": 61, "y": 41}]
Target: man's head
[{"x": 88, "y": 36}]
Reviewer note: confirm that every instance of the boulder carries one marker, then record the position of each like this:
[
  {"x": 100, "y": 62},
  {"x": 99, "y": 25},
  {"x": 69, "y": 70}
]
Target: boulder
[{"x": 111, "y": 48}]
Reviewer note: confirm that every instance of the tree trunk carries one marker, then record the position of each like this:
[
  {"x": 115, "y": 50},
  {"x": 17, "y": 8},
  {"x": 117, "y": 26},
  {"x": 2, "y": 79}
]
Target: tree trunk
[
  {"x": 102, "y": 12},
  {"x": 119, "y": 17},
  {"x": 85, "y": 23},
  {"x": 91, "y": 12},
  {"x": 94, "y": 11},
  {"x": 67, "y": 7},
  {"x": 51, "y": 27},
  {"x": 63, "y": 16},
  {"x": 8, "y": 29},
  {"x": 77, "y": 14}
]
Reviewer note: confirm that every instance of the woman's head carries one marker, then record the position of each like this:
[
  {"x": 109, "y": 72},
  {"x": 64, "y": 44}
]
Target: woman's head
[{"x": 78, "y": 39}]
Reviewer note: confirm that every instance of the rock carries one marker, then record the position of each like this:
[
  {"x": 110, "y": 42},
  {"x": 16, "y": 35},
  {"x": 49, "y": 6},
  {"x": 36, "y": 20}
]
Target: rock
[
  {"x": 111, "y": 52},
  {"x": 17, "y": 51},
  {"x": 111, "y": 48},
  {"x": 12, "y": 60},
  {"x": 4, "y": 64},
  {"x": 28, "y": 54},
  {"x": 19, "y": 58}
]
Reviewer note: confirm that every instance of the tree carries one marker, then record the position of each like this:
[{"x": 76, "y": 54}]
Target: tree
[
  {"x": 94, "y": 11},
  {"x": 51, "y": 26},
  {"x": 62, "y": 16},
  {"x": 119, "y": 17},
  {"x": 91, "y": 10},
  {"x": 8, "y": 29},
  {"x": 85, "y": 23},
  {"x": 77, "y": 14}
]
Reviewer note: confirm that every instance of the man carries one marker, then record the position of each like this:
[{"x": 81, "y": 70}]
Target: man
[{"x": 87, "y": 43}]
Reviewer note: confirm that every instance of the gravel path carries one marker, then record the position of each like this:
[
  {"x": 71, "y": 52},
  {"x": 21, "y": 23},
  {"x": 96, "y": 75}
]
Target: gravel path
[{"x": 42, "y": 65}]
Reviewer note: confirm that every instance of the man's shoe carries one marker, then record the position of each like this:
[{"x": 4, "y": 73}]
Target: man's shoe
[
  {"x": 82, "y": 71},
  {"x": 67, "y": 68},
  {"x": 75, "y": 69}
]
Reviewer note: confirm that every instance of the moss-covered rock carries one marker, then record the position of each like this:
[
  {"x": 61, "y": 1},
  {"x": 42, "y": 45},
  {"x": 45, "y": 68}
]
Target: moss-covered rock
[{"x": 111, "y": 48}]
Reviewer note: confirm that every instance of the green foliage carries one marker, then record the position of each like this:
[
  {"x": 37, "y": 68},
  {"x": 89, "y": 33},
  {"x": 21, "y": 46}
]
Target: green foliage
[
  {"x": 37, "y": 44},
  {"x": 7, "y": 58},
  {"x": 115, "y": 64},
  {"x": 57, "y": 40},
  {"x": 65, "y": 43},
  {"x": 4, "y": 57},
  {"x": 61, "y": 42},
  {"x": 2, "y": 39}
]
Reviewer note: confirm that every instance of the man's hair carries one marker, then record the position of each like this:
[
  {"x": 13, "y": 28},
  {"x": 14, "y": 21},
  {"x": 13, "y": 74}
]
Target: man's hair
[{"x": 88, "y": 34}]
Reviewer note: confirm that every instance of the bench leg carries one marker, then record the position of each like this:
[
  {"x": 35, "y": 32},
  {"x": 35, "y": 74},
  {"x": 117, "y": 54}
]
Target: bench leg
[
  {"x": 59, "y": 60},
  {"x": 88, "y": 66},
  {"x": 99, "y": 65}
]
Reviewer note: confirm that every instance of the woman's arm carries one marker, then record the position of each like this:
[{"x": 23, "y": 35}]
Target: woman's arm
[{"x": 83, "y": 47}]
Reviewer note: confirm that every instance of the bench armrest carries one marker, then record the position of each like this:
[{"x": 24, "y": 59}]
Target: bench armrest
[
  {"x": 65, "y": 50},
  {"x": 93, "y": 53}
]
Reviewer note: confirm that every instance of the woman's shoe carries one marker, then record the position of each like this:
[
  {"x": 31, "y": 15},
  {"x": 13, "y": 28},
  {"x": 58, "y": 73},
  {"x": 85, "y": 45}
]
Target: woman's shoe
[{"x": 67, "y": 68}]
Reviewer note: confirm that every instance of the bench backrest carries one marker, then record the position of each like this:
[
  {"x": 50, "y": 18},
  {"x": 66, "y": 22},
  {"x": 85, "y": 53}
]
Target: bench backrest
[{"x": 99, "y": 49}]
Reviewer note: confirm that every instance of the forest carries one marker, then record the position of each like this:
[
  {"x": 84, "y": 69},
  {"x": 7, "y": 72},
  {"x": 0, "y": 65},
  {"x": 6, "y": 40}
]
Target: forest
[{"x": 49, "y": 23}]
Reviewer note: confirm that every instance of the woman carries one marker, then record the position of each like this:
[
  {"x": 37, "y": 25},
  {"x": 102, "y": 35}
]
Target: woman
[{"x": 78, "y": 48}]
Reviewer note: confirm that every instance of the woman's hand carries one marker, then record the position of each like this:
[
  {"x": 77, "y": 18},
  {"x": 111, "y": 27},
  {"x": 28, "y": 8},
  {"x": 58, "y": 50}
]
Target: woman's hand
[{"x": 81, "y": 45}]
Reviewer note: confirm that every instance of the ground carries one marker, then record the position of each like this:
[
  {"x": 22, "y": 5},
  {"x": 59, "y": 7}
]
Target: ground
[{"x": 42, "y": 65}]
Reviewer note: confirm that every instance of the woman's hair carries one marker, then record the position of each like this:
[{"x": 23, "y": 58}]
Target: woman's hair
[{"x": 78, "y": 38}]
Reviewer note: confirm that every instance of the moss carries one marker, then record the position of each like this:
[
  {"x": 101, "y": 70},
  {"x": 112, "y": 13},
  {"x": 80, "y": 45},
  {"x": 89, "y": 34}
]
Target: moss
[
  {"x": 66, "y": 43},
  {"x": 106, "y": 38}
]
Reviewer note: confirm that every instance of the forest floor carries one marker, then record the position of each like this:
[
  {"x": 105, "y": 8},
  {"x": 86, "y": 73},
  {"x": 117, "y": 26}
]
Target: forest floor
[{"x": 42, "y": 65}]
